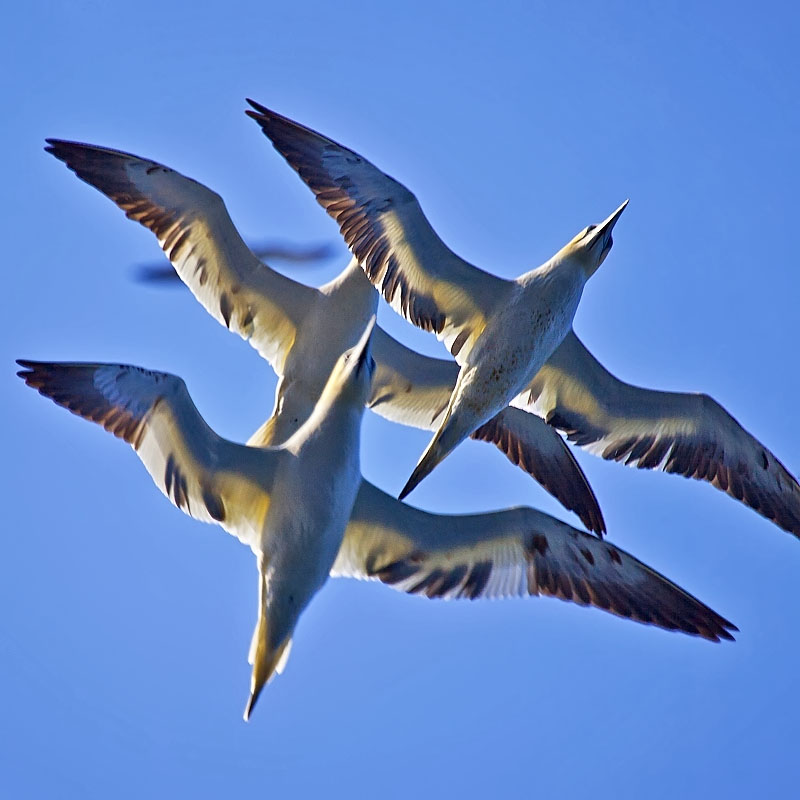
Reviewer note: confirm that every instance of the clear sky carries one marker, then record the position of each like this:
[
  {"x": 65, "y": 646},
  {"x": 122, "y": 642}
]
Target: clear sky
[{"x": 125, "y": 624}]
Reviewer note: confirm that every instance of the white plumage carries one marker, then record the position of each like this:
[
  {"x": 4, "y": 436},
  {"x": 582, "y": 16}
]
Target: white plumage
[
  {"x": 290, "y": 504},
  {"x": 514, "y": 339},
  {"x": 301, "y": 330}
]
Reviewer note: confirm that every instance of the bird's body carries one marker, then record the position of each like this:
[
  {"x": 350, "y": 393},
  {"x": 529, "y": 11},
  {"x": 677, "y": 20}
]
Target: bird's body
[
  {"x": 538, "y": 310},
  {"x": 291, "y": 325},
  {"x": 289, "y": 503},
  {"x": 385, "y": 228},
  {"x": 301, "y": 330},
  {"x": 500, "y": 332},
  {"x": 325, "y": 330},
  {"x": 315, "y": 491},
  {"x": 306, "y": 513}
]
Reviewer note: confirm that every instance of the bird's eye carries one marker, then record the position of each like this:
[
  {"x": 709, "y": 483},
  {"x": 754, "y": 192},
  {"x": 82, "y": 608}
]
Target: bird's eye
[{"x": 589, "y": 230}]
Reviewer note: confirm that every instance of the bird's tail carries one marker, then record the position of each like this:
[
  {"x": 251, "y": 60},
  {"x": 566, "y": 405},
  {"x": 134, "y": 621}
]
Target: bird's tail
[
  {"x": 449, "y": 435},
  {"x": 267, "y": 660}
]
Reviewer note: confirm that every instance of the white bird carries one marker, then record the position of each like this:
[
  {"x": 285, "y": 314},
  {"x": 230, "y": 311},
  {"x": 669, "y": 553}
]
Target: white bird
[
  {"x": 500, "y": 332},
  {"x": 301, "y": 330},
  {"x": 289, "y": 503},
  {"x": 485, "y": 322}
]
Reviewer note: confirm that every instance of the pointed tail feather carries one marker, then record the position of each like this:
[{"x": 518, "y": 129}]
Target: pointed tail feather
[
  {"x": 444, "y": 441},
  {"x": 265, "y": 666},
  {"x": 266, "y": 660}
]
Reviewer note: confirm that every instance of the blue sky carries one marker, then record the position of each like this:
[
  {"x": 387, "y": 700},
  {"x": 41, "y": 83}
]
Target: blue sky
[{"x": 125, "y": 629}]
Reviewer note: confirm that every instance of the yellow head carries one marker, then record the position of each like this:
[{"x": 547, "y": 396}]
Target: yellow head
[
  {"x": 351, "y": 376},
  {"x": 591, "y": 246}
]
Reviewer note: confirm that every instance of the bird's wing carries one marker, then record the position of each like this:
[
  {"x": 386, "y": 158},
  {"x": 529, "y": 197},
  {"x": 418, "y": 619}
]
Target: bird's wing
[
  {"x": 688, "y": 434},
  {"x": 196, "y": 233},
  {"x": 408, "y": 387},
  {"x": 206, "y": 476},
  {"x": 384, "y": 227},
  {"x": 413, "y": 389},
  {"x": 510, "y": 553},
  {"x": 535, "y": 447}
]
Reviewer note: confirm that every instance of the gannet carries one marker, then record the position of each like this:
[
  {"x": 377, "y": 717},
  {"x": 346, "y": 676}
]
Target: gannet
[
  {"x": 289, "y": 503},
  {"x": 500, "y": 332},
  {"x": 301, "y": 330},
  {"x": 384, "y": 226}
]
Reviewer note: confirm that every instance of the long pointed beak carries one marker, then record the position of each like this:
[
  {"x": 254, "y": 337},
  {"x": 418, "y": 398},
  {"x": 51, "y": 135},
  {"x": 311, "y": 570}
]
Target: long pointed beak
[
  {"x": 603, "y": 230},
  {"x": 361, "y": 350}
]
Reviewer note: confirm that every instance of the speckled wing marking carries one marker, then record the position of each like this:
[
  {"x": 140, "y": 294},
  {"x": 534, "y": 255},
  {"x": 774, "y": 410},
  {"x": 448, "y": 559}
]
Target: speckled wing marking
[
  {"x": 688, "y": 434},
  {"x": 510, "y": 553},
  {"x": 195, "y": 231},
  {"x": 384, "y": 227},
  {"x": 207, "y": 477},
  {"x": 413, "y": 389}
]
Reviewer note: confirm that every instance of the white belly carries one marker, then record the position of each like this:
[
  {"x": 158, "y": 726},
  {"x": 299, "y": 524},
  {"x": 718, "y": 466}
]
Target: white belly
[{"x": 521, "y": 338}]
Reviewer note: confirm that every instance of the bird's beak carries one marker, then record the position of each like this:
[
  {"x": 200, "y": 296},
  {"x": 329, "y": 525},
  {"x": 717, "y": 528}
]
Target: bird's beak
[
  {"x": 602, "y": 235},
  {"x": 361, "y": 350},
  {"x": 603, "y": 231}
]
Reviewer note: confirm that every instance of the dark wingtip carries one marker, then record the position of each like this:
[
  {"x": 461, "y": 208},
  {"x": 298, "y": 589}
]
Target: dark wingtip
[
  {"x": 28, "y": 368},
  {"x": 55, "y": 147},
  {"x": 722, "y": 630},
  {"x": 257, "y": 106},
  {"x": 265, "y": 117},
  {"x": 259, "y": 113},
  {"x": 727, "y": 627}
]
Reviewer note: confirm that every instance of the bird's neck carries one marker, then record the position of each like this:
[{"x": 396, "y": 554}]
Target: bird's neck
[
  {"x": 334, "y": 427},
  {"x": 351, "y": 280},
  {"x": 557, "y": 270}
]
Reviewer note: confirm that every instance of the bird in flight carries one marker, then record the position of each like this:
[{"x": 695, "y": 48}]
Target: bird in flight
[
  {"x": 301, "y": 330},
  {"x": 305, "y": 512},
  {"x": 514, "y": 342},
  {"x": 289, "y": 503}
]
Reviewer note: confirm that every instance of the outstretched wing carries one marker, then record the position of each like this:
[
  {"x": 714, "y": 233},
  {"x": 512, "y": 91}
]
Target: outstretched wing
[
  {"x": 206, "y": 476},
  {"x": 384, "y": 227},
  {"x": 196, "y": 233},
  {"x": 688, "y": 434},
  {"x": 513, "y": 552},
  {"x": 414, "y": 389}
]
